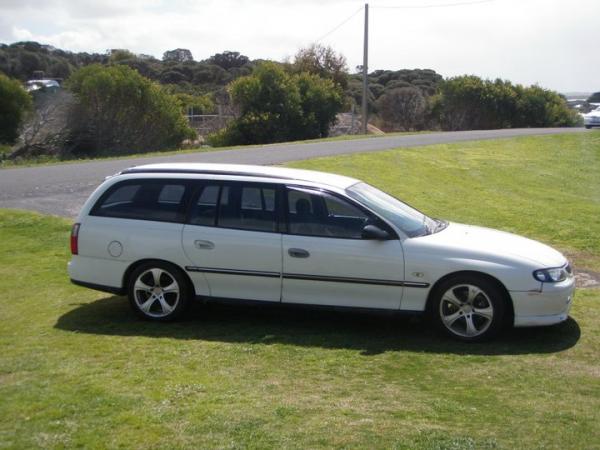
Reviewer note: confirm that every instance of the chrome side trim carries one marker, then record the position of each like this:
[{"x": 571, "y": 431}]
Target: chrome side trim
[{"x": 306, "y": 277}]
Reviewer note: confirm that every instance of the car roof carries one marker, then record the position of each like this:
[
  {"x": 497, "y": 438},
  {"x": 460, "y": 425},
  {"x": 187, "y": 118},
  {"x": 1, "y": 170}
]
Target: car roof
[{"x": 243, "y": 170}]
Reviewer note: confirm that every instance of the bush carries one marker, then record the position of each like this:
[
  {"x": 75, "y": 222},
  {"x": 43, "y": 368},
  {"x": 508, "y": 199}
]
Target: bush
[
  {"x": 275, "y": 106},
  {"x": 468, "y": 102},
  {"x": 119, "y": 111},
  {"x": 402, "y": 108},
  {"x": 15, "y": 103}
]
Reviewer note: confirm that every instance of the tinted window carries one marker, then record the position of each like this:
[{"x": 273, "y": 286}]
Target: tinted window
[
  {"x": 204, "y": 210},
  {"x": 246, "y": 207},
  {"x": 160, "y": 200},
  {"x": 121, "y": 195},
  {"x": 240, "y": 206},
  {"x": 171, "y": 193},
  {"x": 314, "y": 213}
]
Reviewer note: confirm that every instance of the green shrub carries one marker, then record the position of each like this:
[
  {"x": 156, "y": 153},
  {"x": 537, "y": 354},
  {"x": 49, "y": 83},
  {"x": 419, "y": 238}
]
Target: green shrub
[
  {"x": 468, "y": 102},
  {"x": 120, "y": 111},
  {"x": 275, "y": 106},
  {"x": 15, "y": 102}
]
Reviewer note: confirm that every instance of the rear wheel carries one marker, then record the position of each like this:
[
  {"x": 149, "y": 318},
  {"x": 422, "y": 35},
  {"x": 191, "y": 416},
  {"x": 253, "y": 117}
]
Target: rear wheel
[
  {"x": 158, "y": 291},
  {"x": 468, "y": 308}
]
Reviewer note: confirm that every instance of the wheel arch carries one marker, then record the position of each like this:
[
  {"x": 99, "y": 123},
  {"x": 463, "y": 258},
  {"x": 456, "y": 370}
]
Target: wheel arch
[{"x": 509, "y": 318}]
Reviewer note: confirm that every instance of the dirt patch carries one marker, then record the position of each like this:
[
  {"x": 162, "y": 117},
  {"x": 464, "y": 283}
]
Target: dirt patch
[{"x": 587, "y": 278}]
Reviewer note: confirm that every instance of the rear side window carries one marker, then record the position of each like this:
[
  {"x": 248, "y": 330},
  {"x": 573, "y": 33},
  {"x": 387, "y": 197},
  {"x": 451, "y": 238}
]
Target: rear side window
[
  {"x": 159, "y": 200},
  {"x": 204, "y": 209},
  {"x": 235, "y": 205}
]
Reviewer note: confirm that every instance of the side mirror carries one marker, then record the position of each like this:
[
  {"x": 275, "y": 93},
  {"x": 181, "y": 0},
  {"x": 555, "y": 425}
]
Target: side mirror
[{"x": 374, "y": 232}]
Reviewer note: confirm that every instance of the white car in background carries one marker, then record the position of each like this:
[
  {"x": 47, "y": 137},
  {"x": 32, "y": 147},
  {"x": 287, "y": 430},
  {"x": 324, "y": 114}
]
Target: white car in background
[
  {"x": 169, "y": 233},
  {"x": 592, "y": 119}
]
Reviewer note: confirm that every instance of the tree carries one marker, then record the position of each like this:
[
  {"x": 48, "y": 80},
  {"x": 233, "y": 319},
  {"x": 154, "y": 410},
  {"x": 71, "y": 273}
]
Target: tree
[
  {"x": 539, "y": 107},
  {"x": 15, "y": 103},
  {"x": 320, "y": 102},
  {"x": 468, "y": 102},
  {"x": 229, "y": 60},
  {"x": 402, "y": 108},
  {"x": 275, "y": 106},
  {"x": 118, "y": 55},
  {"x": 120, "y": 111},
  {"x": 322, "y": 61},
  {"x": 178, "y": 55}
]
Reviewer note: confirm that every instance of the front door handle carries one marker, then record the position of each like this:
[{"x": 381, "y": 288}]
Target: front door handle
[
  {"x": 204, "y": 245},
  {"x": 298, "y": 253}
]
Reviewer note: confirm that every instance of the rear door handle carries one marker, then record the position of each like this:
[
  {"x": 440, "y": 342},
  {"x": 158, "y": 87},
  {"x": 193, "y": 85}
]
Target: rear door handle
[
  {"x": 298, "y": 253},
  {"x": 204, "y": 245}
]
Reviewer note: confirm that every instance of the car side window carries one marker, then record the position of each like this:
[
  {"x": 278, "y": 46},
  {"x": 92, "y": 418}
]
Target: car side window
[
  {"x": 316, "y": 213},
  {"x": 158, "y": 200},
  {"x": 248, "y": 207},
  {"x": 240, "y": 206},
  {"x": 204, "y": 209}
]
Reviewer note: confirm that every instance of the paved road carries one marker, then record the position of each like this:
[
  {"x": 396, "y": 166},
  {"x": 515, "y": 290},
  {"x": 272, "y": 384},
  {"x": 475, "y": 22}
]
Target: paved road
[{"x": 62, "y": 189}]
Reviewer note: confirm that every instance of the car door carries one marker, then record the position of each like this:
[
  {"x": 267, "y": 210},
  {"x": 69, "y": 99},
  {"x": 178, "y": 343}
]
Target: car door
[
  {"x": 232, "y": 238},
  {"x": 327, "y": 262}
]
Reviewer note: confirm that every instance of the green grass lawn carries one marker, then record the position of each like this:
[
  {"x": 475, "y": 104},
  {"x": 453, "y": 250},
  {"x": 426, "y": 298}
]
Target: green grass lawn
[{"x": 78, "y": 369}]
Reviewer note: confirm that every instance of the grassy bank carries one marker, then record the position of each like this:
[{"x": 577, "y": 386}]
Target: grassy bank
[{"x": 78, "y": 369}]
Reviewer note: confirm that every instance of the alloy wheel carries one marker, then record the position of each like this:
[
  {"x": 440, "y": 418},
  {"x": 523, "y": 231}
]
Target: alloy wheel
[
  {"x": 466, "y": 310},
  {"x": 156, "y": 293}
]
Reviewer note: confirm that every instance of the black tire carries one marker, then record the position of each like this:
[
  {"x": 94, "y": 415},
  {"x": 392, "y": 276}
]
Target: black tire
[
  {"x": 159, "y": 300},
  {"x": 468, "y": 319},
  {"x": 588, "y": 127}
]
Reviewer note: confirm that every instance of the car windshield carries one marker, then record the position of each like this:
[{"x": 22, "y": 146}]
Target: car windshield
[{"x": 412, "y": 222}]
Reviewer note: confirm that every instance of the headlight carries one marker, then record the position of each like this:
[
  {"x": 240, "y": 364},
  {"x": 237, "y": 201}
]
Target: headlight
[{"x": 552, "y": 275}]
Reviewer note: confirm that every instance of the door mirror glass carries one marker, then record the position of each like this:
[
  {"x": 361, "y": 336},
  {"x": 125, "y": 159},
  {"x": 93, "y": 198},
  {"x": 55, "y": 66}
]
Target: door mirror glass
[{"x": 374, "y": 232}]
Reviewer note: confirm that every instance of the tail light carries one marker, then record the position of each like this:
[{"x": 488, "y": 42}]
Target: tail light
[{"x": 74, "y": 239}]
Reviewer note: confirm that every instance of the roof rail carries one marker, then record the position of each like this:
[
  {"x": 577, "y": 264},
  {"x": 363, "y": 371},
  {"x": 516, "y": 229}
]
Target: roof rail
[{"x": 201, "y": 172}]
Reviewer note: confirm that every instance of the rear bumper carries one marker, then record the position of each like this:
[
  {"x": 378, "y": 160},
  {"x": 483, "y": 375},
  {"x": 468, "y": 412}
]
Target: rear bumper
[
  {"x": 549, "y": 306},
  {"x": 97, "y": 272}
]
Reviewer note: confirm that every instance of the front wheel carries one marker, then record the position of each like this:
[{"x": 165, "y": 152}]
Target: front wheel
[
  {"x": 468, "y": 308},
  {"x": 158, "y": 291}
]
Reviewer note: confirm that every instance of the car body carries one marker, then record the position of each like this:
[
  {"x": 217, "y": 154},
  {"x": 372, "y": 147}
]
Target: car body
[
  {"x": 36, "y": 85},
  {"x": 287, "y": 236},
  {"x": 592, "y": 119}
]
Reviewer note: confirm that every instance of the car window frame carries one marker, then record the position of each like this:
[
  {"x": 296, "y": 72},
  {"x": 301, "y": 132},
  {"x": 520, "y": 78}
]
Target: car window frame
[
  {"x": 393, "y": 235},
  {"x": 183, "y": 206},
  {"x": 200, "y": 184}
]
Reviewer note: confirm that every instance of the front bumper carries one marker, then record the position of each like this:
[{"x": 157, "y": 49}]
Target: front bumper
[{"x": 547, "y": 306}]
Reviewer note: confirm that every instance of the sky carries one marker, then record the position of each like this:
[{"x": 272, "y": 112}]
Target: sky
[{"x": 553, "y": 43}]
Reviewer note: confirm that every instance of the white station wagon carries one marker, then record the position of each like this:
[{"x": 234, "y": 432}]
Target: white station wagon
[{"x": 165, "y": 234}]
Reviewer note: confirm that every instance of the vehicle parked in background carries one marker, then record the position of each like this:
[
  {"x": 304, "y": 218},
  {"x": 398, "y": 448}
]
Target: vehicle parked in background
[
  {"x": 36, "y": 85},
  {"x": 169, "y": 233},
  {"x": 592, "y": 119}
]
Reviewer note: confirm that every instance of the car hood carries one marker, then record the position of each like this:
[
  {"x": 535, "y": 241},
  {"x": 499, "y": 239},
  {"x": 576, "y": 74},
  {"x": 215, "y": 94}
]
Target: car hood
[
  {"x": 496, "y": 245},
  {"x": 594, "y": 113}
]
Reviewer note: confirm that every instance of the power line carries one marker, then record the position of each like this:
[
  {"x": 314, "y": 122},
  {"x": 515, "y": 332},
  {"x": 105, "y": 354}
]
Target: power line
[
  {"x": 337, "y": 27},
  {"x": 436, "y": 5}
]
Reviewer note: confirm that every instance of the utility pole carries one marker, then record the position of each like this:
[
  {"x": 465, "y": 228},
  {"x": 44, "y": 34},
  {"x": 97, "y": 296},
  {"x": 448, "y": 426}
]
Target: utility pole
[{"x": 365, "y": 69}]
